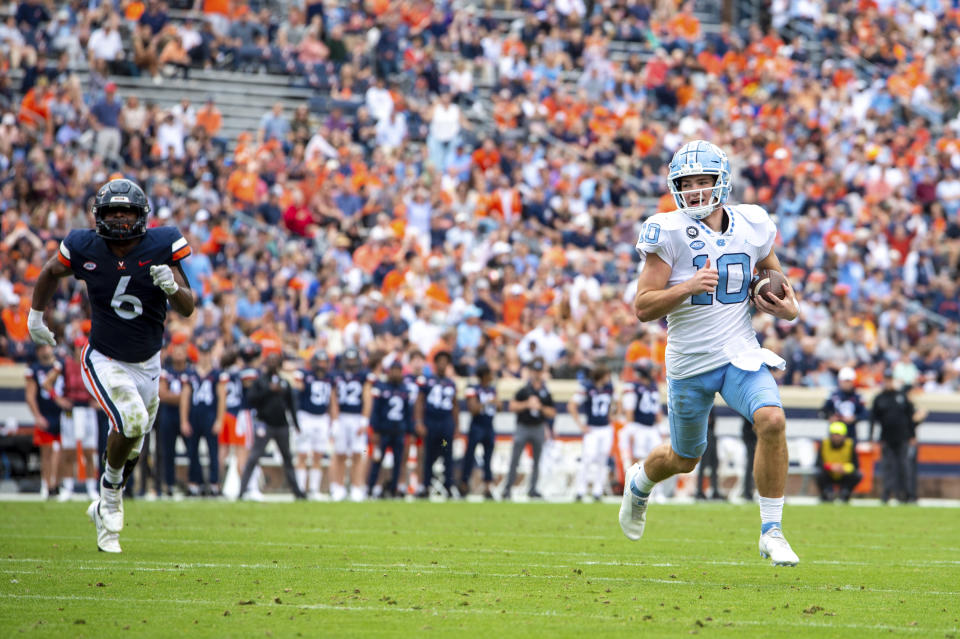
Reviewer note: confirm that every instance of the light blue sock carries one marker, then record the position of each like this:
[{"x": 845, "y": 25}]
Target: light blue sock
[{"x": 767, "y": 526}]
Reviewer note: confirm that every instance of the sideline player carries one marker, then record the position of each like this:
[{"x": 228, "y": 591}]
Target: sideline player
[
  {"x": 640, "y": 403},
  {"x": 46, "y": 404},
  {"x": 391, "y": 420},
  {"x": 317, "y": 406},
  {"x": 350, "y": 429},
  {"x": 696, "y": 272},
  {"x": 131, "y": 274},
  {"x": 437, "y": 419},
  {"x": 595, "y": 402}
]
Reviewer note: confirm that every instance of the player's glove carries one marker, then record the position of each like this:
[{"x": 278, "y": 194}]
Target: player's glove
[
  {"x": 163, "y": 277},
  {"x": 39, "y": 332}
]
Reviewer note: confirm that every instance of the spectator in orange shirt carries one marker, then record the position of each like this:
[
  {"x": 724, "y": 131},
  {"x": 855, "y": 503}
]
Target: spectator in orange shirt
[
  {"x": 487, "y": 156},
  {"x": 243, "y": 184}
]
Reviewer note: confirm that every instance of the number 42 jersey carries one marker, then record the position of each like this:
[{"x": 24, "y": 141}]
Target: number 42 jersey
[
  {"x": 704, "y": 330},
  {"x": 128, "y": 308}
]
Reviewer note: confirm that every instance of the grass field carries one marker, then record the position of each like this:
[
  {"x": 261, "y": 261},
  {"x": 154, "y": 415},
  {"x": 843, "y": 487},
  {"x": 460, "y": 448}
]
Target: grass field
[{"x": 475, "y": 569}]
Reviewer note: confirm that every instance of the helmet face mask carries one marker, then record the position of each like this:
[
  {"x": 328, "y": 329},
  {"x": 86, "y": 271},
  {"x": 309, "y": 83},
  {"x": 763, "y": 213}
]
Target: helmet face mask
[
  {"x": 699, "y": 158},
  {"x": 121, "y": 195}
]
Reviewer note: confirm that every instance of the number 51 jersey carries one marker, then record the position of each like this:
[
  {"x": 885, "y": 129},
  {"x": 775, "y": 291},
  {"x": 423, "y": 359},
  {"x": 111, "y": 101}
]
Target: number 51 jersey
[
  {"x": 703, "y": 326},
  {"x": 128, "y": 308}
]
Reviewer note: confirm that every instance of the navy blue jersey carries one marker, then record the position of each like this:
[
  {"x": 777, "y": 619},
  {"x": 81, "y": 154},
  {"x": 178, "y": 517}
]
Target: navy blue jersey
[
  {"x": 350, "y": 390},
  {"x": 246, "y": 376},
  {"x": 487, "y": 396},
  {"x": 128, "y": 308},
  {"x": 170, "y": 413},
  {"x": 203, "y": 395},
  {"x": 595, "y": 403},
  {"x": 392, "y": 411},
  {"x": 411, "y": 382},
  {"x": 315, "y": 396},
  {"x": 234, "y": 399},
  {"x": 646, "y": 402},
  {"x": 848, "y": 405},
  {"x": 439, "y": 396},
  {"x": 45, "y": 403}
]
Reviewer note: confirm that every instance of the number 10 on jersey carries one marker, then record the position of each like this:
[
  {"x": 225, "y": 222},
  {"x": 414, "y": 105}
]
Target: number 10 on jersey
[{"x": 725, "y": 264}]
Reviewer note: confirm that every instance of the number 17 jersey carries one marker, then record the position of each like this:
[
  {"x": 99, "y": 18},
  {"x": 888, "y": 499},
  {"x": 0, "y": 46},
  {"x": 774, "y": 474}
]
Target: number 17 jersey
[
  {"x": 700, "y": 329},
  {"x": 128, "y": 308}
]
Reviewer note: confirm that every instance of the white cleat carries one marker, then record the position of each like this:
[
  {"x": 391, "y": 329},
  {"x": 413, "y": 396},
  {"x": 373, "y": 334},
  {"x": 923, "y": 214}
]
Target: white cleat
[
  {"x": 774, "y": 546},
  {"x": 65, "y": 495},
  {"x": 106, "y": 541},
  {"x": 111, "y": 507},
  {"x": 633, "y": 508}
]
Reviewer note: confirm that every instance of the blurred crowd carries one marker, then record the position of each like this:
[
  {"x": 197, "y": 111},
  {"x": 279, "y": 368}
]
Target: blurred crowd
[{"x": 480, "y": 180}]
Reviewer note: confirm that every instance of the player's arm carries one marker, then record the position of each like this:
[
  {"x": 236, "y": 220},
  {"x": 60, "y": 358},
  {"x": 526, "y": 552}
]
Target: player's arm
[
  {"x": 456, "y": 412},
  {"x": 186, "y": 390},
  {"x": 473, "y": 402},
  {"x": 32, "y": 390},
  {"x": 654, "y": 300},
  {"x": 573, "y": 407},
  {"x": 787, "y": 308},
  {"x": 547, "y": 406},
  {"x": 334, "y": 409},
  {"x": 49, "y": 386},
  {"x": 52, "y": 272},
  {"x": 221, "y": 406},
  {"x": 418, "y": 415}
]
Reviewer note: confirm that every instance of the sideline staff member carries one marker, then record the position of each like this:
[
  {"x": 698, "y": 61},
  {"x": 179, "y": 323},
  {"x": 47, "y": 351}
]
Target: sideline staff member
[{"x": 533, "y": 405}]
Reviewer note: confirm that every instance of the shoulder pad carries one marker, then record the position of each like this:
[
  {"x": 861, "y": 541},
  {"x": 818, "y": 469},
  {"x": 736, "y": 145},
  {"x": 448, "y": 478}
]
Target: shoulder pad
[{"x": 753, "y": 213}]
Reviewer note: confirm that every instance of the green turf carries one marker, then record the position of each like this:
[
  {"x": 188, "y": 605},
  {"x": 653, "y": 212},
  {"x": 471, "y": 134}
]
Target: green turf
[{"x": 475, "y": 569}]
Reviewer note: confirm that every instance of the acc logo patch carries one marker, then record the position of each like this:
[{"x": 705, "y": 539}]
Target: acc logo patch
[
  {"x": 89, "y": 265},
  {"x": 696, "y": 245},
  {"x": 692, "y": 232}
]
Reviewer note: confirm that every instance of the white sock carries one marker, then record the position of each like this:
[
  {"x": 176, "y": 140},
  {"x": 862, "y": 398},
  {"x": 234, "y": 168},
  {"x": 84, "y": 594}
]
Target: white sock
[
  {"x": 315, "y": 476},
  {"x": 643, "y": 483},
  {"x": 301, "y": 478},
  {"x": 91, "y": 485},
  {"x": 771, "y": 513},
  {"x": 68, "y": 484},
  {"x": 254, "y": 484},
  {"x": 113, "y": 475}
]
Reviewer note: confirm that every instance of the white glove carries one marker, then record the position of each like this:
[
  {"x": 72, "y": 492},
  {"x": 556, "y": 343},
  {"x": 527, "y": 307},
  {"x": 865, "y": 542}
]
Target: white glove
[
  {"x": 163, "y": 277},
  {"x": 39, "y": 332}
]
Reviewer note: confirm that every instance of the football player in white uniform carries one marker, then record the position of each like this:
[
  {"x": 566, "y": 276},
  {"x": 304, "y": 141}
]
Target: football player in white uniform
[{"x": 698, "y": 262}]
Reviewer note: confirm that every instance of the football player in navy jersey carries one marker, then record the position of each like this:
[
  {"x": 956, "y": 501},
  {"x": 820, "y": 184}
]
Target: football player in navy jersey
[
  {"x": 640, "y": 402},
  {"x": 437, "y": 417},
  {"x": 43, "y": 403},
  {"x": 317, "y": 406},
  {"x": 350, "y": 429},
  {"x": 391, "y": 419},
  {"x": 591, "y": 410},
  {"x": 132, "y": 273},
  {"x": 198, "y": 413},
  {"x": 168, "y": 415},
  {"x": 482, "y": 404},
  {"x": 233, "y": 422}
]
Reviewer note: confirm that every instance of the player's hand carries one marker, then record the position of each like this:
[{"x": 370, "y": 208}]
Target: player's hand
[
  {"x": 39, "y": 332},
  {"x": 163, "y": 277},
  {"x": 185, "y": 429},
  {"x": 421, "y": 430},
  {"x": 705, "y": 280},
  {"x": 42, "y": 423},
  {"x": 217, "y": 426},
  {"x": 786, "y": 309}
]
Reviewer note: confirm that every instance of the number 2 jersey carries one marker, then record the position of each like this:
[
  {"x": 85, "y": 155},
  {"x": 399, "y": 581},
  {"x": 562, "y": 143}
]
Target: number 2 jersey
[
  {"x": 703, "y": 330},
  {"x": 128, "y": 308}
]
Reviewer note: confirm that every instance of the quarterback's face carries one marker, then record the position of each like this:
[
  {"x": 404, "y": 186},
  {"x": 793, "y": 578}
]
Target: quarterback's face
[{"x": 697, "y": 189}]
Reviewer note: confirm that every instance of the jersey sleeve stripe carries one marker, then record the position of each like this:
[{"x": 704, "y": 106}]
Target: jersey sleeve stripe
[
  {"x": 182, "y": 253},
  {"x": 179, "y": 244},
  {"x": 64, "y": 255}
]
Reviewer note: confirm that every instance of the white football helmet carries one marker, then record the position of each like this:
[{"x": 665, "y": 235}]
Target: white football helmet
[{"x": 699, "y": 158}]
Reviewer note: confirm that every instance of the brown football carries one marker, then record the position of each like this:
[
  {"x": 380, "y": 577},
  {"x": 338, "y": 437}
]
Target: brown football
[{"x": 767, "y": 281}]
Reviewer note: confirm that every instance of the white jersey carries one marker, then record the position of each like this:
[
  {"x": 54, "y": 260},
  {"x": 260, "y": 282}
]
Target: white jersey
[{"x": 705, "y": 328}]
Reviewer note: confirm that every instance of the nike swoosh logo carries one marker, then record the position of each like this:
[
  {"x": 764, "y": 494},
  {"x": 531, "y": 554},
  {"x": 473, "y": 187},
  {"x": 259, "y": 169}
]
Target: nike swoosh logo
[{"x": 144, "y": 263}]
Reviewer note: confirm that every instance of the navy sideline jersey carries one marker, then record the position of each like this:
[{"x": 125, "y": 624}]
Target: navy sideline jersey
[
  {"x": 596, "y": 402},
  {"x": 487, "y": 396},
  {"x": 128, "y": 308},
  {"x": 203, "y": 396},
  {"x": 315, "y": 396},
  {"x": 234, "y": 399},
  {"x": 648, "y": 402},
  {"x": 48, "y": 407},
  {"x": 392, "y": 411},
  {"x": 170, "y": 413},
  {"x": 439, "y": 396},
  {"x": 350, "y": 390}
]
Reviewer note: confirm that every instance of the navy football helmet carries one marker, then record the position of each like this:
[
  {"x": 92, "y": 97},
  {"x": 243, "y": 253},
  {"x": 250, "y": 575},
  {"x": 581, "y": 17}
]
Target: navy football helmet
[{"x": 124, "y": 195}]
